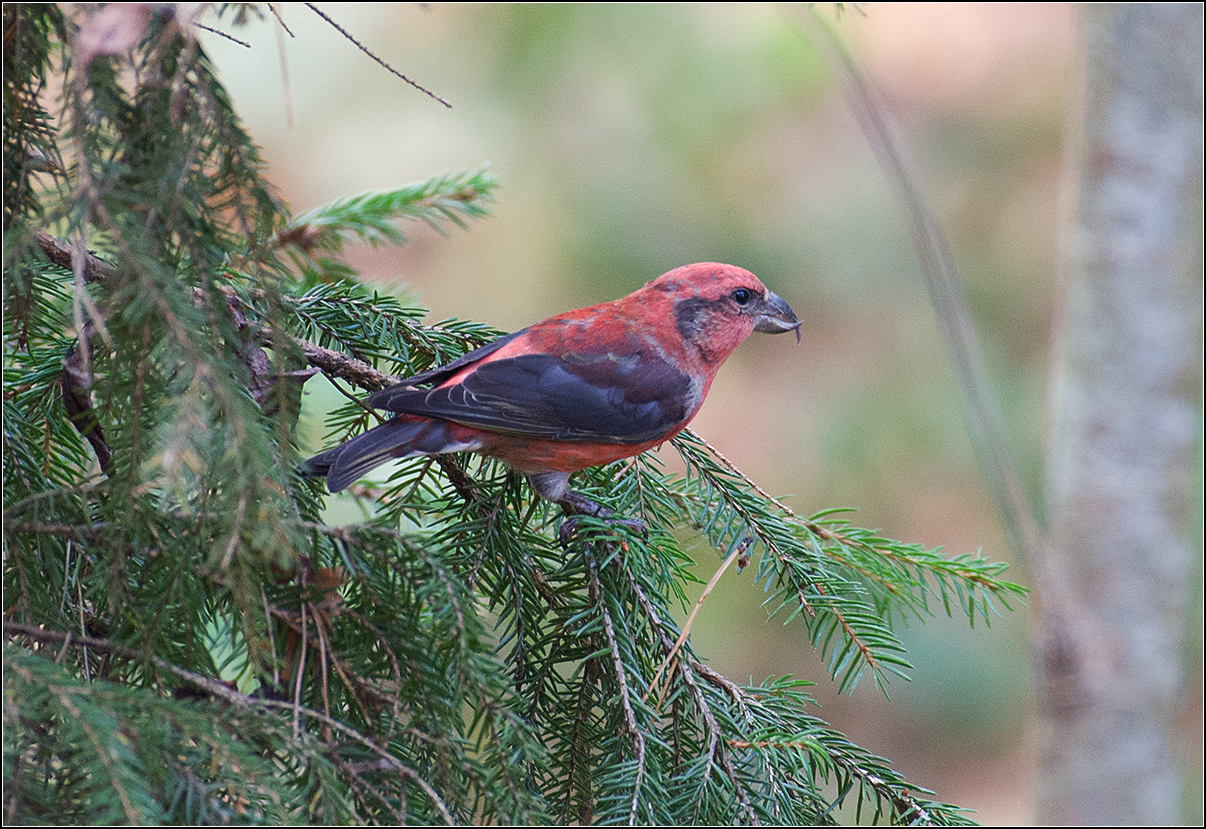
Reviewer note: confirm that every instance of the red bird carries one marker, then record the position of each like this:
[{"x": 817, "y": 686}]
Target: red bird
[{"x": 580, "y": 389}]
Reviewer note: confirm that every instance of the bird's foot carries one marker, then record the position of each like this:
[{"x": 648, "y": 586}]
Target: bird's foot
[{"x": 578, "y": 506}]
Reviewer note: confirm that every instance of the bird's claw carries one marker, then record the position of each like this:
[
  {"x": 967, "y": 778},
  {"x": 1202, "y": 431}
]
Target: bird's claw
[
  {"x": 569, "y": 527},
  {"x": 578, "y": 506},
  {"x": 565, "y": 534}
]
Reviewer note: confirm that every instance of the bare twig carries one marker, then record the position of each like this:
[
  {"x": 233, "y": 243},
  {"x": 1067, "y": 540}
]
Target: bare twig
[
  {"x": 682, "y": 637},
  {"x": 76, "y": 383},
  {"x": 276, "y": 13},
  {"x": 95, "y": 269},
  {"x": 221, "y": 33},
  {"x": 364, "y": 49}
]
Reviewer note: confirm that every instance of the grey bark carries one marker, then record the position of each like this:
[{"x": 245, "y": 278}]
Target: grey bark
[{"x": 1121, "y": 570}]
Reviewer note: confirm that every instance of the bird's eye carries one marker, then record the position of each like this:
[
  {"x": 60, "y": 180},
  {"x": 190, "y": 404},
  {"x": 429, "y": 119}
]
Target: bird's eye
[{"x": 742, "y": 295}]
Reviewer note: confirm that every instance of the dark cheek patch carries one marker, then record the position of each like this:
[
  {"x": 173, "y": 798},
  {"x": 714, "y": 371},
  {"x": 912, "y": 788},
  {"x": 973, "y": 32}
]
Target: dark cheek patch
[{"x": 690, "y": 316}]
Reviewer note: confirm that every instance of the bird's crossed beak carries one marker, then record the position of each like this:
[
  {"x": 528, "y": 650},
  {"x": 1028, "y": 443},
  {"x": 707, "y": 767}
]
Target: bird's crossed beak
[{"x": 776, "y": 317}]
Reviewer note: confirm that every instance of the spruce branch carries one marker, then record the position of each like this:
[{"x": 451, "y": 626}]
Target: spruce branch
[
  {"x": 845, "y": 583},
  {"x": 372, "y": 217},
  {"x": 218, "y": 690}
]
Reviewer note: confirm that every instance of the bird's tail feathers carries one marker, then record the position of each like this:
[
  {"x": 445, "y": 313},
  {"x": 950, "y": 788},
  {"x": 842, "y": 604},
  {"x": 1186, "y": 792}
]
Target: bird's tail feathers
[{"x": 399, "y": 438}]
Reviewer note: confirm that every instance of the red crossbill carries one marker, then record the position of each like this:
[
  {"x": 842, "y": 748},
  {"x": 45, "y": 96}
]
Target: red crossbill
[{"x": 580, "y": 389}]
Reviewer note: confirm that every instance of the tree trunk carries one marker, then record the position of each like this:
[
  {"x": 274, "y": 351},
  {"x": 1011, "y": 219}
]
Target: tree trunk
[{"x": 1120, "y": 570}]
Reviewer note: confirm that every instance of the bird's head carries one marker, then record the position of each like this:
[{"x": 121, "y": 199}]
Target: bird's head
[{"x": 717, "y": 306}]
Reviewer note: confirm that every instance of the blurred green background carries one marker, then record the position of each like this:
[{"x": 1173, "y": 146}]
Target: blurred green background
[{"x": 630, "y": 139}]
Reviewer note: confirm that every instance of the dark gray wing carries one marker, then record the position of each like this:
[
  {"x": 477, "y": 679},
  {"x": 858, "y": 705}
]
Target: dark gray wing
[{"x": 580, "y": 397}]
